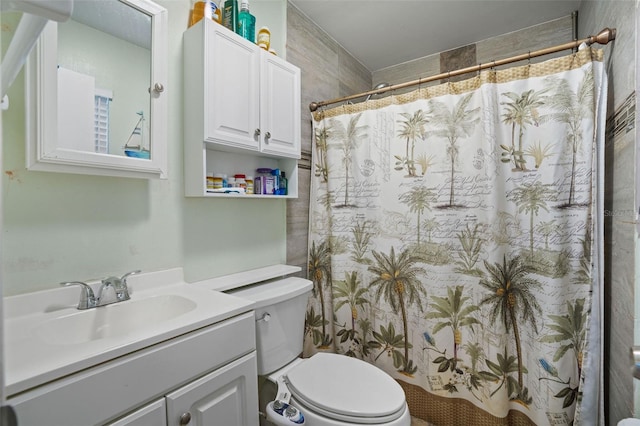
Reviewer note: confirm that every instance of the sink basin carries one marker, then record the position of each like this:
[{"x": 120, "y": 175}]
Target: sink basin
[
  {"x": 46, "y": 337},
  {"x": 113, "y": 320}
]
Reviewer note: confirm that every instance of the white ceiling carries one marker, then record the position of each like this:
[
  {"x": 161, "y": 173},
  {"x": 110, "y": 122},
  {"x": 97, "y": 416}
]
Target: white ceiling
[{"x": 382, "y": 33}]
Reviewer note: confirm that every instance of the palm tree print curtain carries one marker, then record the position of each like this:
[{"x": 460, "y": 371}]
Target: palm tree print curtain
[{"x": 452, "y": 241}]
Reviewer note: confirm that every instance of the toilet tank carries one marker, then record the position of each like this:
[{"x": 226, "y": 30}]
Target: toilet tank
[{"x": 280, "y": 307}]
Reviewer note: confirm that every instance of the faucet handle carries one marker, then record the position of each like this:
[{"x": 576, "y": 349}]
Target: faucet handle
[
  {"x": 122, "y": 290},
  {"x": 87, "y": 298},
  {"x": 123, "y": 279}
]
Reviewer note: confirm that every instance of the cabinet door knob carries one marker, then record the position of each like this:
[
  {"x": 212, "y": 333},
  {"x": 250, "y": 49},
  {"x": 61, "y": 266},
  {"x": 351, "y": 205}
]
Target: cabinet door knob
[
  {"x": 257, "y": 132},
  {"x": 267, "y": 136},
  {"x": 157, "y": 88},
  {"x": 185, "y": 418}
]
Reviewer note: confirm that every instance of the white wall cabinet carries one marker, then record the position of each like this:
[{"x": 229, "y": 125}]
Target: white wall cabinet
[{"x": 241, "y": 106}]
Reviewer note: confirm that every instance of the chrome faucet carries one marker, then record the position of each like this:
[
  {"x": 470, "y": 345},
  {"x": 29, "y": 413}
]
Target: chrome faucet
[{"x": 88, "y": 299}]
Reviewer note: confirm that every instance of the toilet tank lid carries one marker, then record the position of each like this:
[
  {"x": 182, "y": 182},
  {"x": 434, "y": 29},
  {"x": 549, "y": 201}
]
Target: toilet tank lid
[{"x": 272, "y": 292}]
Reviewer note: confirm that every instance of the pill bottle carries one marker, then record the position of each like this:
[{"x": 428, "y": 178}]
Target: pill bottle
[
  {"x": 240, "y": 182},
  {"x": 217, "y": 181},
  {"x": 264, "y": 38},
  {"x": 209, "y": 180},
  {"x": 249, "y": 180}
]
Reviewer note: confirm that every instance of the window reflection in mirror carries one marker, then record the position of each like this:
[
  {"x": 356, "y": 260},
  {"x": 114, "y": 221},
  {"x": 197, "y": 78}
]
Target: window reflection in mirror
[{"x": 104, "y": 62}]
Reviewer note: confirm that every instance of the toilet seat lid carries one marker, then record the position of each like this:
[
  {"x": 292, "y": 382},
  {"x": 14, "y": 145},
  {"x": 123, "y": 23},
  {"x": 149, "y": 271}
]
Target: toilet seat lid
[{"x": 344, "y": 388}]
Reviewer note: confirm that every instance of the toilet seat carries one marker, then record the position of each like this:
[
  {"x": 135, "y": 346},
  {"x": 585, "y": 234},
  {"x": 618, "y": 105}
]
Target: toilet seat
[{"x": 346, "y": 389}]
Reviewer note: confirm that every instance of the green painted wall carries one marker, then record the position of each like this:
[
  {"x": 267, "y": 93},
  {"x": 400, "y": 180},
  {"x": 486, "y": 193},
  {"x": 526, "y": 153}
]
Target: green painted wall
[{"x": 60, "y": 227}]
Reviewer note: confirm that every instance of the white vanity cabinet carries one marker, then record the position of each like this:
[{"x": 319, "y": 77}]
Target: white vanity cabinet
[
  {"x": 219, "y": 398},
  {"x": 241, "y": 106},
  {"x": 210, "y": 373},
  {"x": 152, "y": 414}
]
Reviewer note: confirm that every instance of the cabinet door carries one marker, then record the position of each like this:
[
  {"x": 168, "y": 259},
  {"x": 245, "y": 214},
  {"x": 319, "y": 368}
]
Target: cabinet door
[
  {"x": 232, "y": 97},
  {"x": 279, "y": 106},
  {"x": 152, "y": 414},
  {"x": 226, "y": 397}
]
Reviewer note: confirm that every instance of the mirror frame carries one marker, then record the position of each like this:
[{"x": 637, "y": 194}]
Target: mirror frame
[{"x": 41, "y": 91}]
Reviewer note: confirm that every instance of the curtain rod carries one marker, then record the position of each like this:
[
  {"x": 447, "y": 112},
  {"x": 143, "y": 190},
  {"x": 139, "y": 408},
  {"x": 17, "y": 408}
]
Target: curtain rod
[{"x": 603, "y": 37}]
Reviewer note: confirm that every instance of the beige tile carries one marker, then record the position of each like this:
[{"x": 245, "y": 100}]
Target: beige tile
[{"x": 417, "y": 422}]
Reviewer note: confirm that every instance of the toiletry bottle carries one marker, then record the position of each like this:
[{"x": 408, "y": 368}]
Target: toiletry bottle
[
  {"x": 204, "y": 9},
  {"x": 246, "y": 22},
  {"x": 284, "y": 184},
  {"x": 264, "y": 38},
  {"x": 230, "y": 15},
  {"x": 216, "y": 12},
  {"x": 249, "y": 180},
  {"x": 277, "y": 183}
]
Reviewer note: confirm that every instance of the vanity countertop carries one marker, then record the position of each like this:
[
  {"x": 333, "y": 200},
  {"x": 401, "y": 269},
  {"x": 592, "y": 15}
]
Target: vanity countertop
[{"x": 46, "y": 337}]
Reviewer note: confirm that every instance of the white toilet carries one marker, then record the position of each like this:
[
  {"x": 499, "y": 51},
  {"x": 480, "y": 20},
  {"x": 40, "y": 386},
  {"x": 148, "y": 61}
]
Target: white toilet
[{"x": 328, "y": 389}]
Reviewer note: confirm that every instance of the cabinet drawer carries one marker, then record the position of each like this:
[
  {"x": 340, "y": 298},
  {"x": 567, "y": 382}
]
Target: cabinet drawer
[{"x": 110, "y": 390}]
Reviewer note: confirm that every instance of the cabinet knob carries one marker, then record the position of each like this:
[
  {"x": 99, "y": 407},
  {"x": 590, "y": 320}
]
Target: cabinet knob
[
  {"x": 257, "y": 132},
  {"x": 158, "y": 88},
  {"x": 185, "y": 418},
  {"x": 267, "y": 136}
]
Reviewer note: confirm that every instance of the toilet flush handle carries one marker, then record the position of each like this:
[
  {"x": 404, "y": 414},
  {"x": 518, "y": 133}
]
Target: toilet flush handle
[{"x": 265, "y": 317}]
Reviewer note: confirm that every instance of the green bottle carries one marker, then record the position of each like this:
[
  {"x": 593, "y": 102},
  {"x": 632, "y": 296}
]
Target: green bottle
[
  {"x": 246, "y": 22},
  {"x": 230, "y": 15}
]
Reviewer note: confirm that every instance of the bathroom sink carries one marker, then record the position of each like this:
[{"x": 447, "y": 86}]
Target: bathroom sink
[
  {"x": 46, "y": 337},
  {"x": 113, "y": 320}
]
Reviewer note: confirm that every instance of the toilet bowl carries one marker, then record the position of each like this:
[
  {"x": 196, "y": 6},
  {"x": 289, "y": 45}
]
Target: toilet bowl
[
  {"x": 328, "y": 389},
  {"x": 337, "y": 390}
]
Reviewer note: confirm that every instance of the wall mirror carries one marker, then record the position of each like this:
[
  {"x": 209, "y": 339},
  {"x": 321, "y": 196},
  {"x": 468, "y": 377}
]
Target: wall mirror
[{"x": 96, "y": 92}]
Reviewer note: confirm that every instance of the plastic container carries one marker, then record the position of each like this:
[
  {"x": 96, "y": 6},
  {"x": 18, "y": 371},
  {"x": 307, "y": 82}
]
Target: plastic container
[
  {"x": 284, "y": 184},
  {"x": 249, "y": 180},
  {"x": 231, "y": 182},
  {"x": 265, "y": 180},
  {"x": 230, "y": 15},
  {"x": 200, "y": 10},
  {"x": 240, "y": 182},
  {"x": 218, "y": 180},
  {"x": 264, "y": 38},
  {"x": 246, "y": 22},
  {"x": 209, "y": 180},
  {"x": 278, "y": 188}
]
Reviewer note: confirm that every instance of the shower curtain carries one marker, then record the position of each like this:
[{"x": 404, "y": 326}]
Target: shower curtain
[{"x": 455, "y": 242}]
